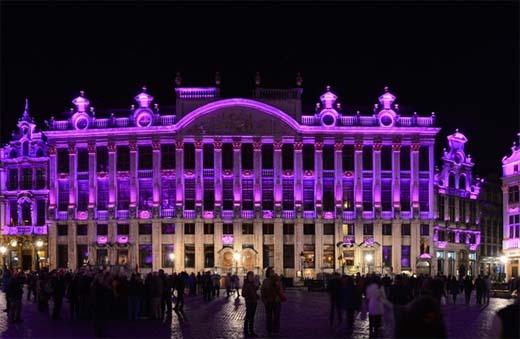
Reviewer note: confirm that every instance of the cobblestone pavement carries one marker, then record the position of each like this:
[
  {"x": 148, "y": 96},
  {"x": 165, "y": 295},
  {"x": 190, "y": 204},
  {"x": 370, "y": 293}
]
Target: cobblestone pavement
[{"x": 304, "y": 315}]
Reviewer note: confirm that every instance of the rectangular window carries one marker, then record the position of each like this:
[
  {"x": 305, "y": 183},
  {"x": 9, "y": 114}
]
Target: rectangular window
[
  {"x": 328, "y": 256},
  {"x": 349, "y": 229},
  {"x": 227, "y": 229},
  {"x": 12, "y": 183},
  {"x": 405, "y": 158},
  {"x": 82, "y": 229},
  {"x": 189, "y": 193},
  {"x": 288, "y": 229},
  {"x": 101, "y": 229},
  {"x": 288, "y": 256},
  {"x": 168, "y": 156},
  {"x": 145, "y": 229},
  {"x": 328, "y": 157},
  {"x": 63, "y": 256},
  {"x": 308, "y": 157},
  {"x": 405, "y": 256},
  {"x": 247, "y": 194},
  {"x": 102, "y": 195},
  {"x": 63, "y": 160},
  {"x": 386, "y": 158},
  {"x": 227, "y": 156},
  {"x": 368, "y": 229},
  {"x": 367, "y": 158},
  {"x": 440, "y": 206},
  {"x": 189, "y": 228},
  {"x": 123, "y": 192},
  {"x": 268, "y": 229},
  {"x": 425, "y": 229},
  {"x": 123, "y": 158},
  {"x": 227, "y": 193},
  {"x": 189, "y": 256},
  {"x": 247, "y": 156},
  {"x": 405, "y": 194},
  {"x": 209, "y": 229},
  {"x": 145, "y": 194},
  {"x": 268, "y": 256},
  {"x": 166, "y": 250},
  {"x": 267, "y": 156},
  {"x": 328, "y": 194},
  {"x": 82, "y": 255},
  {"x": 168, "y": 192},
  {"x": 168, "y": 228},
  {"x": 102, "y": 159},
  {"x": 145, "y": 256},
  {"x": 40, "y": 178},
  {"x": 424, "y": 203},
  {"x": 209, "y": 256},
  {"x": 387, "y": 229},
  {"x": 102, "y": 256},
  {"x": 514, "y": 194},
  {"x": 267, "y": 193},
  {"x": 309, "y": 256},
  {"x": 387, "y": 256},
  {"x": 328, "y": 229},
  {"x": 26, "y": 178},
  {"x": 13, "y": 210},
  {"x": 62, "y": 229},
  {"x": 424, "y": 158},
  {"x": 189, "y": 155},
  {"x": 247, "y": 229},
  {"x": 308, "y": 194},
  {"x": 83, "y": 193},
  {"x": 348, "y": 158},
  {"x": 82, "y": 160},
  {"x": 287, "y": 193},
  {"x": 367, "y": 193},
  {"x": 63, "y": 195},
  {"x": 309, "y": 229},
  {"x": 41, "y": 212},
  {"x": 287, "y": 157},
  {"x": 348, "y": 194},
  {"x": 386, "y": 193},
  {"x": 208, "y": 156},
  {"x": 123, "y": 229},
  {"x": 451, "y": 208},
  {"x": 405, "y": 229}
]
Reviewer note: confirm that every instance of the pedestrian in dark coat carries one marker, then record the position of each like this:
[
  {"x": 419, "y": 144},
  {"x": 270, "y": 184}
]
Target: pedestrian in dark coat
[
  {"x": 249, "y": 292},
  {"x": 468, "y": 288}
]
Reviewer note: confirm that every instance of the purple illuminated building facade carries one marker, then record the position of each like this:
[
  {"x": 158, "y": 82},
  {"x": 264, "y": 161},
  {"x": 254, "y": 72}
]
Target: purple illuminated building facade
[
  {"x": 511, "y": 211},
  {"x": 305, "y": 192},
  {"x": 457, "y": 233}
]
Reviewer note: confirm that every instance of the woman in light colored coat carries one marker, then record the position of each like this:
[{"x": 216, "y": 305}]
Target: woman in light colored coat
[{"x": 376, "y": 298}]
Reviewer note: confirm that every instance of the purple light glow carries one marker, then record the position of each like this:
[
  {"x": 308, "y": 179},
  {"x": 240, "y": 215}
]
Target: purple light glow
[
  {"x": 425, "y": 256},
  {"x": 267, "y": 214},
  {"x": 122, "y": 239},
  {"x": 441, "y": 244},
  {"x": 227, "y": 239},
  {"x": 82, "y": 215},
  {"x": 144, "y": 214},
  {"x": 208, "y": 215},
  {"x": 102, "y": 239},
  {"x": 512, "y": 243},
  {"x": 328, "y": 215}
]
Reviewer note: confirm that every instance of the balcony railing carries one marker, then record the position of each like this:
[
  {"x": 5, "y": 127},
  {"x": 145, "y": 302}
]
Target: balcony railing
[
  {"x": 123, "y": 214},
  {"x": 349, "y": 215},
  {"x": 167, "y": 120},
  {"x": 267, "y": 172},
  {"x": 368, "y": 214},
  {"x": 145, "y": 173},
  {"x": 308, "y": 120},
  {"x": 168, "y": 213},
  {"x": 227, "y": 215},
  {"x": 425, "y": 215},
  {"x": 62, "y": 215},
  {"x": 406, "y": 215},
  {"x": 289, "y": 214},
  {"x": 189, "y": 214},
  {"x": 248, "y": 214},
  {"x": 102, "y": 215},
  {"x": 386, "y": 214},
  {"x": 308, "y": 214}
]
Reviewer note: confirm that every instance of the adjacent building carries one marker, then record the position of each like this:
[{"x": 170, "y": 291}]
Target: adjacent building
[
  {"x": 456, "y": 232},
  {"x": 511, "y": 211},
  {"x": 238, "y": 184}
]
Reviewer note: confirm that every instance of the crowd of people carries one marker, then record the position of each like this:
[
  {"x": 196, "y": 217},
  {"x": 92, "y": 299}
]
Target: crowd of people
[{"x": 401, "y": 307}]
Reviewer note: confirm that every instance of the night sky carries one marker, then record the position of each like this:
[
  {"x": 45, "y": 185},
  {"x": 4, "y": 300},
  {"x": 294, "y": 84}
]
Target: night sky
[{"x": 457, "y": 59}]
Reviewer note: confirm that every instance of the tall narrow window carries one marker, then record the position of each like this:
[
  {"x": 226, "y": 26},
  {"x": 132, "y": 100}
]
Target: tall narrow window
[
  {"x": 287, "y": 157},
  {"x": 26, "y": 213},
  {"x": 247, "y": 156},
  {"x": 26, "y": 178},
  {"x": 227, "y": 156},
  {"x": 63, "y": 160},
  {"x": 40, "y": 178},
  {"x": 348, "y": 158},
  {"x": 82, "y": 160},
  {"x": 123, "y": 158},
  {"x": 83, "y": 192},
  {"x": 267, "y": 156},
  {"x": 102, "y": 159},
  {"x": 168, "y": 156},
  {"x": 145, "y": 157},
  {"x": 189, "y": 256},
  {"x": 328, "y": 157},
  {"x": 288, "y": 256},
  {"x": 123, "y": 192},
  {"x": 102, "y": 194},
  {"x": 308, "y": 157},
  {"x": 145, "y": 256},
  {"x": 367, "y": 158},
  {"x": 209, "y": 256},
  {"x": 41, "y": 212},
  {"x": 208, "y": 156},
  {"x": 63, "y": 195},
  {"x": 189, "y": 156},
  {"x": 405, "y": 256}
]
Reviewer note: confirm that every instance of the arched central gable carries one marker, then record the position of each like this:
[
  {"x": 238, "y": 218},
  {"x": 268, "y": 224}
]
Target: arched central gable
[{"x": 237, "y": 117}]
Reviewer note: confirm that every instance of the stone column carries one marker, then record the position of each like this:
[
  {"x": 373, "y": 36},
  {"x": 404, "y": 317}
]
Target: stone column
[
  {"x": 71, "y": 242},
  {"x": 259, "y": 243},
  {"x": 52, "y": 245},
  {"x": 92, "y": 176},
  {"x": 112, "y": 173},
  {"x": 217, "y": 161},
  {"x": 431, "y": 195},
  {"x": 298, "y": 244},
  {"x": 358, "y": 175},
  {"x": 73, "y": 183},
  {"x": 414, "y": 182},
  {"x": 298, "y": 174},
  {"x": 237, "y": 176},
  {"x": 318, "y": 246},
  {"x": 396, "y": 245},
  {"x": 199, "y": 183},
  {"x": 277, "y": 185},
  {"x": 376, "y": 177},
  {"x": 318, "y": 169},
  {"x": 179, "y": 180},
  {"x": 396, "y": 177},
  {"x": 278, "y": 245},
  {"x": 257, "y": 168},
  {"x": 156, "y": 147},
  {"x": 133, "y": 177},
  {"x": 338, "y": 174},
  {"x": 179, "y": 246},
  {"x": 217, "y": 241},
  {"x": 199, "y": 245}
]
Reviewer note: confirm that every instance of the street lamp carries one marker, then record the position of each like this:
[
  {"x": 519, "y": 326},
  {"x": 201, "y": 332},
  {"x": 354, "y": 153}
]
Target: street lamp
[
  {"x": 369, "y": 257},
  {"x": 172, "y": 259},
  {"x": 39, "y": 243},
  {"x": 236, "y": 256}
]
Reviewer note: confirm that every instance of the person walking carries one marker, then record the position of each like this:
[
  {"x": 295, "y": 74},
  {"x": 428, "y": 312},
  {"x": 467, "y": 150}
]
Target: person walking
[
  {"x": 229, "y": 284},
  {"x": 375, "y": 296},
  {"x": 333, "y": 289},
  {"x": 505, "y": 322},
  {"x": 236, "y": 284},
  {"x": 14, "y": 293},
  {"x": 215, "y": 280},
  {"x": 468, "y": 288},
  {"x": 58, "y": 287},
  {"x": 270, "y": 293},
  {"x": 134, "y": 287},
  {"x": 422, "y": 319},
  {"x": 454, "y": 288},
  {"x": 480, "y": 286},
  {"x": 180, "y": 285},
  {"x": 249, "y": 289}
]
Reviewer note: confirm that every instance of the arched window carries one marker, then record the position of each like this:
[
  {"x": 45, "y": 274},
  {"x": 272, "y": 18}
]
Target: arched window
[
  {"x": 26, "y": 213},
  {"x": 451, "y": 180},
  {"x": 39, "y": 153},
  {"x": 25, "y": 149},
  {"x": 462, "y": 182},
  {"x": 13, "y": 154}
]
